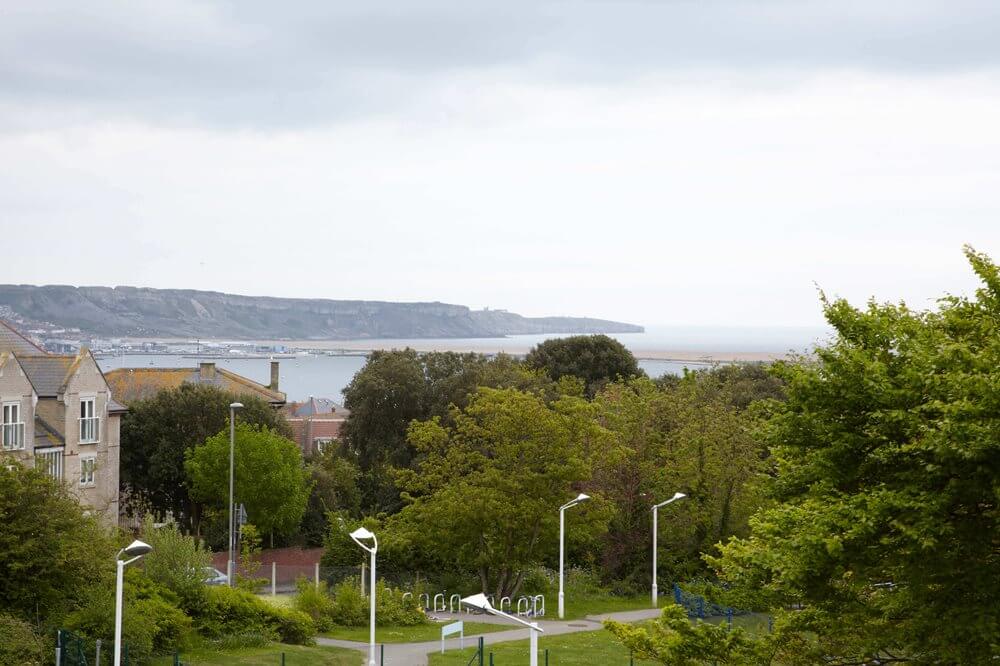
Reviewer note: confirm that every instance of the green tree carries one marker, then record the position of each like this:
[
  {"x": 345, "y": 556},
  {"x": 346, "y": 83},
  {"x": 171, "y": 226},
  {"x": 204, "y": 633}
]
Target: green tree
[
  {"x": 177, "y": 562},
  {"x": 596, "y": 359},
  {"x": 50, "y": 551},
  {"x": 885, "y": 529},
  {"x": 482, "y": 493},
  {"x": 271, "y": 480},
  {"x": 683, "y": 439},
  {"x": 157, "y": 433},
  {"x": 400, "y": 386},
  {"x": 333, "y": 476}
]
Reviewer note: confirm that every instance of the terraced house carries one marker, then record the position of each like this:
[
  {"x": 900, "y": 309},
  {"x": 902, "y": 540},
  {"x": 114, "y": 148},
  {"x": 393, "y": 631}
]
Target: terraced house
[{"x": 58, "y": 415}]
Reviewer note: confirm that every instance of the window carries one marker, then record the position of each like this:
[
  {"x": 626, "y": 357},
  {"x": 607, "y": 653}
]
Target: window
[
  {"x": 90, "y": 424},
  {"x": 50, "y": 461},
  {"x": 13, "y": 427},
  {"x": 87, "y": 466},
  {"x": 320, "y": 443}
]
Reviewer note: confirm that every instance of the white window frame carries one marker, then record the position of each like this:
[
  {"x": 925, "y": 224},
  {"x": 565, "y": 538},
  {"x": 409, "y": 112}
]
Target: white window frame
[
  {"x": 91, "y": 422},
  {"x": 13, "y": 430},
  {"x": 320, "y": 443},
  {"x": 88, "y": 471}
]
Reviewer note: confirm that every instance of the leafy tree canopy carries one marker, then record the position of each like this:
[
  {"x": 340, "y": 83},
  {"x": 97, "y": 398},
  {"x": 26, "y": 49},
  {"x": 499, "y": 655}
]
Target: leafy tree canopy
[
  {"x": 485, "y": 491},
  {"x": 157, "y": 433},
  {"x": 400, "y": 386},
  {"x": 596, "y": 359},
  {"x": 334, "y": 479},
  {"x": 886, "y": 528},
  {"x": 50, "y": 552},
  {"x": 271, "y": 480}
]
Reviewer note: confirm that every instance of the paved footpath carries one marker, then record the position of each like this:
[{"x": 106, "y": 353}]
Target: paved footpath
[{"x": 415, "y": 654}]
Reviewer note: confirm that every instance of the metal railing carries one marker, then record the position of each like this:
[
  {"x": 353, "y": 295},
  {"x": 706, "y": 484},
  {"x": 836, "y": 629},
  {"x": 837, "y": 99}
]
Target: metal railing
[{"x": 90, "y": 427}]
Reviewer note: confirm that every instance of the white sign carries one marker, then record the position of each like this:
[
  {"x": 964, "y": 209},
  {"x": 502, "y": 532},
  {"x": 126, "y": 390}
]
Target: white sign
[{"x": 453, "y": 628}]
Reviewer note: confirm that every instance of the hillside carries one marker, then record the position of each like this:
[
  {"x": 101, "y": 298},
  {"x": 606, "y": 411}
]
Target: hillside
[{"x": 133, "y": 311}]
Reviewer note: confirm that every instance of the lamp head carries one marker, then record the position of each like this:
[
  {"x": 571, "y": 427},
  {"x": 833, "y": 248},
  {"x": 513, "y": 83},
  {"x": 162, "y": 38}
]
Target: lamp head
[
  {"x": 676, "y": 497},
  {"x": 236, "y": 405},
  {"x": 137, "y": 549},
  {"x": 478, "y": 601},
  {"x": 582, "y": 498},
  {"x": 363, "y": 534}
]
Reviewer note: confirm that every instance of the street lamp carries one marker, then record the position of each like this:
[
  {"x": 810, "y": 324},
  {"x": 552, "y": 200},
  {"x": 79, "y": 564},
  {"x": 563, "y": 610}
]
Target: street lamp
[
  {"x": 656, "y": 507},
  {"x": 230, "y": 565},
  {"x": 358, "y": 535},
  {"x": 134, "y": 551},
  {"x": 562, "y": 539},
  {"x": 480, "y": 602}
]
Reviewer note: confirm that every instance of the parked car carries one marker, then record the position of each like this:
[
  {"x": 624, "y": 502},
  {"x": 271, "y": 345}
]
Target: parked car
[{"x": 213, "y": 576}]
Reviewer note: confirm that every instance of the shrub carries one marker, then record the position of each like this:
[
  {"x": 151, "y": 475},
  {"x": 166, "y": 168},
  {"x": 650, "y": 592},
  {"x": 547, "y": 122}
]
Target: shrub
[
  {"x": 152, "y": 622},
  {"x": 19, "y": 644},
  {"x": 351, "y": 608},
  {"x": 317, "y": 604},
  {"x": 176, "y": 562},
  {"x": 231, "y": 612}
]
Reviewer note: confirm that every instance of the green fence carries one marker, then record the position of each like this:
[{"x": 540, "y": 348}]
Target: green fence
[{"x": 75, "y": 650}]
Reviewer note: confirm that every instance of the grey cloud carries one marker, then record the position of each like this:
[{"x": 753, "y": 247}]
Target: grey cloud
[{"x": 287, "y": 64}]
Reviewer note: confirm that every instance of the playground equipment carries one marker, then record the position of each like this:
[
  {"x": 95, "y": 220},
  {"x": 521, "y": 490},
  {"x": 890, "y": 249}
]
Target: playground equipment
[
  {"x": 507, "y": 601},
  {"x": 523, "y": 601},
  {"x": 455, "y": 603},
  {"x": 538, "y": 609},
  {"x": 425, "y": 600},
  {"x": 443, "y": 607}
]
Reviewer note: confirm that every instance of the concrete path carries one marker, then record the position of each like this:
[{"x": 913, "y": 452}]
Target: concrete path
[{"x": 415, "y": 654}]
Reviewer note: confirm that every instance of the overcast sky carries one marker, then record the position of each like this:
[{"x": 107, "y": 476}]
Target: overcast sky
[{"x": 661, "y": 162}]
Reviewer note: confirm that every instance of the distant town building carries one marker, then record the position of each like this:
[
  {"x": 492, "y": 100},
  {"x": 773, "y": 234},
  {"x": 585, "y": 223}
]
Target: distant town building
[
  {"x": 131, "y": 384},
  {"x": 58, "y": 415},
  {"x": 316, "y": 423}
]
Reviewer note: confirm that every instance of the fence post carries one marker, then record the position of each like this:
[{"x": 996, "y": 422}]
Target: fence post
[
  {"x": 381, "y": 654},
  {"x": 282, "y": 659},
  {"x": 58, "y": 656},
  {"x": 125, "y": 654},
  {"x": 546, "y": 657},
  {"x": 274, "y": 578},
  {"x": 729, "y": 618},
  {"x": 482, "y": 646},
  {"x": 491, "y": 659},
  {"x": 317, "y": 575},
  {"x": 177, "y": 658},
  {"x": 97, "y": 657}
]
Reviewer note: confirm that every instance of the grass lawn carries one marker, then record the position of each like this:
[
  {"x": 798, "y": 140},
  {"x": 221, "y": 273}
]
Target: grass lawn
[
  {"x": 295, "y": 655},
  {"x": 582, "y": 649},
  {"x": 595, "y": 605},
  {"x": 421, "y": 632}
]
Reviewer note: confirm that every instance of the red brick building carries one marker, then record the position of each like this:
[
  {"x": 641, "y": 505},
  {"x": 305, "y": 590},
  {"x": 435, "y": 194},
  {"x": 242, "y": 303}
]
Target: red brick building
[{"x": 315, "y": 423}]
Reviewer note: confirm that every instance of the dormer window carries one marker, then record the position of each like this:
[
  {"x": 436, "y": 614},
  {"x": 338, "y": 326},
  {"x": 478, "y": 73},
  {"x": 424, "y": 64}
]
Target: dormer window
[
  {"x": 13, "y": 427},
  {"x": 90, "y": 423}
]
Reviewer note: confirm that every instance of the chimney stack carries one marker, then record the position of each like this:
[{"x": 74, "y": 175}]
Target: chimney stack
[
  {"x": 274, "y": 376},
  {"x": 206, "y": 372}
]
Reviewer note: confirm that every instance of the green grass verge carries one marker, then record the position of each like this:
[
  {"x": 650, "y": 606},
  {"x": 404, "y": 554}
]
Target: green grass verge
[
  {"x": 295, "y": 655},
  {"x": 581, "y": 649},
  {"x": 416, "y": 634},
  {"x": 595, "y": 605}
]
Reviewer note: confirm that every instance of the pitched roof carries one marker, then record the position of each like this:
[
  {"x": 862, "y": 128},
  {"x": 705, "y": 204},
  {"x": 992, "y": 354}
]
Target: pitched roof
[
  {"x": 48, "y": 374},
  {"x": 131, "y": 384},
  {"x": 13, "y": 341},
  {"x": 314, "y": 406},
  {"x": 45, "y": 434}
]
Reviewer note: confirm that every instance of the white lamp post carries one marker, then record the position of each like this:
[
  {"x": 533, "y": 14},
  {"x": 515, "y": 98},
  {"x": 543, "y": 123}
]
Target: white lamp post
[
  {"x": 562, "y": 540},
  {"x": 656, "y": 508},
  {"x": 480, "y": 602},
  {"x": 134, "y": 551},
  {"x": 358, "y": 535},
  {"x": 230, "y": 565}
]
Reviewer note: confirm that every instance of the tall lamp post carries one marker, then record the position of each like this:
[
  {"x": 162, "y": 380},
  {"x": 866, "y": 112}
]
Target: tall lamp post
[
  {"x": 562, "y": 541},
  {"x": 656, "y": 508},
  {"x": 480, "y": 602},
  {"x": 230, "y": 565},
  {"x": 133, "y": 551},
  {"x": 359, "y": 535}
]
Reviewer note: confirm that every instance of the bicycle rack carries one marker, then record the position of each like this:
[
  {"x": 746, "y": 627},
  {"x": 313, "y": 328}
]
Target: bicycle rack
[
  {"x": 407, "y": 594},
  {"x": 443, "y": 607},
  {"x": 507, "y": 600},
  {"x": 455, "y": 602},
  {"x": 426, "y": 599},
  {"x": 523, "y": 601},
  {"x": 536, "y": 609}
]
